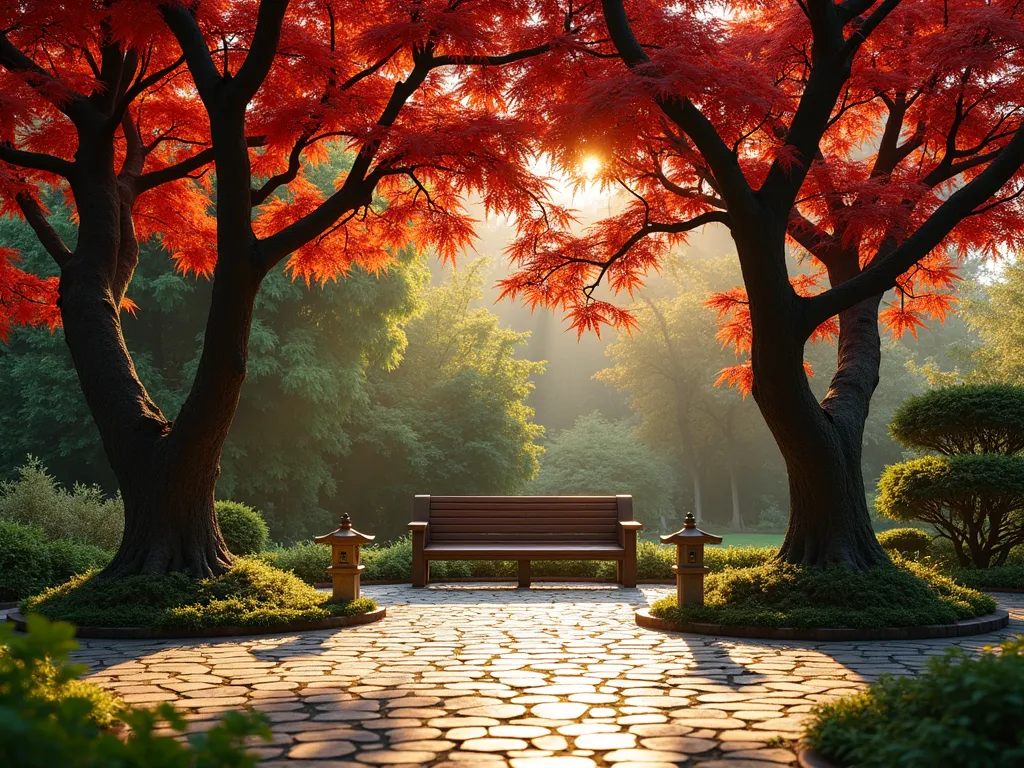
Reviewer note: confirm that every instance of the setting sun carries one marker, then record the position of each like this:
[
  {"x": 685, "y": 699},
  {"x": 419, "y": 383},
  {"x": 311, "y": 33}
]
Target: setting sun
[{"x": 590, "y": 166}]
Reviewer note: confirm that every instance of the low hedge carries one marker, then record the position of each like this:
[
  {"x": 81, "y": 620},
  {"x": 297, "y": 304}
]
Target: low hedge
[
  {"x": 905, "y": 594},
  {"x": 49, "y": 718},
  {"x": 393, "y": 562},
  {"x": 992, "y": 579},
  {"x": 250, "y": 594},
  {"x": 30, "y": 562},
  {"x": 961, "y": 711}
]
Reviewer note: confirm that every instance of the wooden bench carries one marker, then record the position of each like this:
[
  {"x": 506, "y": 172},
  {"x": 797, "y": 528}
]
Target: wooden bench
[{"x": 524, "y": 528}]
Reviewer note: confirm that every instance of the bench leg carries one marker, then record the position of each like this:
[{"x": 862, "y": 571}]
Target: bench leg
[
  {"x": 627, "y": 570},
  {"x": 524, "y": 574},
  {"x": 420, "y": 567}
]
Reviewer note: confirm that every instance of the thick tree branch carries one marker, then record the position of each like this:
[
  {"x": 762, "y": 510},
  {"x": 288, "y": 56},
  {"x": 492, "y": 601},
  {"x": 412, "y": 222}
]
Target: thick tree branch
[
  {"x": 37, "y": 161},
  {"x": 257, "y": 64},
  {"x": 70, "y": 102},
  {"x": 490, "y": 61},
  {"x": 48, "y": 236},
  {"x": 193, "y": 46},
  {"x": 882, "y": 274},
  {"x": 723, "y": 163},
  {"x": 185, "y": 167},
  {"x": 652, "y": 228},
  {"x": 356, "y": 191}
]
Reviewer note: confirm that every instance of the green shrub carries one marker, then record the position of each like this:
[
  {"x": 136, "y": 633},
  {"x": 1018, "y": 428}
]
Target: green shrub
[
  {"x": 908, "y": 542},
  {"x": 961, "y": 711},
  {"x": 48, "y": 718},
  {"x": 243, "y": 528},
  {"x": 718, "y": 559},
  {"x": 991, "y": 579},
  {"x": 905, "y": 594},
  {"x": 30, "y": 562},
  {"x": 306, "y": 560},
  {"x": 81, "y": 515},
  {"x": 393, "y": 562},
  {"x": 974, "y": 492},
  {"x": 250, "y": 594}
]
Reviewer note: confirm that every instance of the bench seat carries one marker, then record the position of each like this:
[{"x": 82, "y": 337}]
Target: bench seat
[{"x": 524, "y": 528}]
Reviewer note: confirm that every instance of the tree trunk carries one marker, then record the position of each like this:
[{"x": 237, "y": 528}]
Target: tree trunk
[
  {"x": 821, "y": 443},
  {"x": 737, "y": 518},
  {"x": 167, "y": 472},
  {"x": 170, "y": 524}
]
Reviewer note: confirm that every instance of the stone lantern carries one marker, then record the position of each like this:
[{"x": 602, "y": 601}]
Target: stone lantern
[
  {"x": 689, "y": 567},
  {"x": 345, "y": 568}
]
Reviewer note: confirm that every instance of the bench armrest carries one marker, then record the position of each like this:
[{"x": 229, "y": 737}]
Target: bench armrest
[
  {"x": 418, "y": 525},
  {"x": 631, "y": 525}
]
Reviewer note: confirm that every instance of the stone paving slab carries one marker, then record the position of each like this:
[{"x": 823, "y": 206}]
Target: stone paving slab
[{"x": 557, "y": 676}]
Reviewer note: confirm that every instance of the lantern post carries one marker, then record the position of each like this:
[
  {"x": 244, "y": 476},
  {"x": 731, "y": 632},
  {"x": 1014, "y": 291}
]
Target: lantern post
[
  {"x": 345, "y": 567},
  {"x": 689, "y": 568}
]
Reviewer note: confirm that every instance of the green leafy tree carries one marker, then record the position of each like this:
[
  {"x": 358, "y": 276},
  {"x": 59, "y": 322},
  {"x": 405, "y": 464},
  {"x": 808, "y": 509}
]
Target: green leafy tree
[
  {"x": 972, "y": 492},
  {"x": 601, "y": 457},
  {"x": 668, "y": 368},
  {"x": 309, "y": 354},
  {"x": 450, "y": 419}
]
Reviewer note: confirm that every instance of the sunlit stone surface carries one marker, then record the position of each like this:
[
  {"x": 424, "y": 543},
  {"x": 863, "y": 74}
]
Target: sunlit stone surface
[{"x": 555, "y": 677}]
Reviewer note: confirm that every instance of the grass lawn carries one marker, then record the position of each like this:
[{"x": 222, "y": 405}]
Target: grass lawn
[{"x": 750, "y": 539}]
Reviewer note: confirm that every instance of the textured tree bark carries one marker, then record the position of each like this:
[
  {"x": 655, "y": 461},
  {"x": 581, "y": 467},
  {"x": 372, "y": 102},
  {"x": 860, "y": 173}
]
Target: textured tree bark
[
  {"x": 167, "y": 472},
  {"x": 821, "y": 443}
]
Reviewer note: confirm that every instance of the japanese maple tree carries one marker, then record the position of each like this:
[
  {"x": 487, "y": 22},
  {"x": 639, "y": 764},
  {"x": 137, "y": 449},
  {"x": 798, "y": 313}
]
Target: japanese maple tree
[
  {"x": 199, "y": 121},
  {"x": 877, "y": 141}
]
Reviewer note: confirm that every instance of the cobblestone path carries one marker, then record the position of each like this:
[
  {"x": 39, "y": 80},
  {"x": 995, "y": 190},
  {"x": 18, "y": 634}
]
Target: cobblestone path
[{"x": 555, "y": 677}]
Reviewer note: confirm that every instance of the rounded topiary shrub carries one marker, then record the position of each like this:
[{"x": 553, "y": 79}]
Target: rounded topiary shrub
[
  {"x": 909, "y": 542},
  {"x": 972, "y": 493},
  {"x": 243, "y": 528}
]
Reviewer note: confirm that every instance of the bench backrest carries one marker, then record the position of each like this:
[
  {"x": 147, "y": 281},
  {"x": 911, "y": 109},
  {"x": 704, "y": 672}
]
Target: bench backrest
[{"x": 473, "y": 519}]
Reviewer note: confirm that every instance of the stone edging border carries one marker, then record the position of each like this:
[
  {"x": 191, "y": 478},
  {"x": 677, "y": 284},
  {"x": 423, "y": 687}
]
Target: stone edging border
[
  {"x": 976, "y": 626},
  {"x": 808, "y": 758},
  {"x": 150, "y": 633}
]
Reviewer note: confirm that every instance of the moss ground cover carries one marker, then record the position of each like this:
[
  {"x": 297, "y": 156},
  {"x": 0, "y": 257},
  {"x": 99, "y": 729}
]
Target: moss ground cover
[
  {"x": 905, "y": 594},
  {"x": 250, "y": 594}
]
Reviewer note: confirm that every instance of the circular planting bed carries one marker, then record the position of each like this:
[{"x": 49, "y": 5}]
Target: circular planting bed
[
  {"x": 976, "y": 626},
  {"x": 157, "y": 633},
  {"x": 808, "y": 758},
  {"x": 250, "y": 598},
  {"x": 899, "y": 601}
]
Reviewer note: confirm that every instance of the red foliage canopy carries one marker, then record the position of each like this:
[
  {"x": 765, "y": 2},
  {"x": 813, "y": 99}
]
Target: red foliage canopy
[
  {"x": 717, "y": 103},
  {"x": 431, "y": 99}
]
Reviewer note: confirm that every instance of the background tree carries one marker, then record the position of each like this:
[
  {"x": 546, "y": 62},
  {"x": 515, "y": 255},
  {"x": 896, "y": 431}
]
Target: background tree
[
  {"x": 973, "y": 492},
  {"x": 371, "y": 73},
  {"x": 667, "y": 368},
  {"x": 758, "y": 121},
  {"x": 451, "y": 418},
  {"x": 601, "y": 457}
]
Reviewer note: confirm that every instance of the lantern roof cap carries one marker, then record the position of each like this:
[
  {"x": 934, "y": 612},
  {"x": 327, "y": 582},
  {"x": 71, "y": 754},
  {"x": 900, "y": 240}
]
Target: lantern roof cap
[
  {"x": 344, "y": 534},
  {"x": 690, "y": 534}
]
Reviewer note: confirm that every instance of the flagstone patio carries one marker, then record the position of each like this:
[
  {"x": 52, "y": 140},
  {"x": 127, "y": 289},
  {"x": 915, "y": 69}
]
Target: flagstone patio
[{"x": 558, "y": 676}]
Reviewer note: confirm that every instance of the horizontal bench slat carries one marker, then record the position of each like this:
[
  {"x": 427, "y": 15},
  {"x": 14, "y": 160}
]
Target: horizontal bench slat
[
  {"x": 556, "y": 520},
  {"x": 522, "y": 536},
  {"x": 526, "y": 510},
  {"x": 526, "y": 529},
  {"x": 516, "y": 552},
  {"x": 522, "y": 499}
]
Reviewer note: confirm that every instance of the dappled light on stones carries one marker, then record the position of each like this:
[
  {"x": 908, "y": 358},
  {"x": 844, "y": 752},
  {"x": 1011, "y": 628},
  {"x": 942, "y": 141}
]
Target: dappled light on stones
[{"x": 484, "y": 674}]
